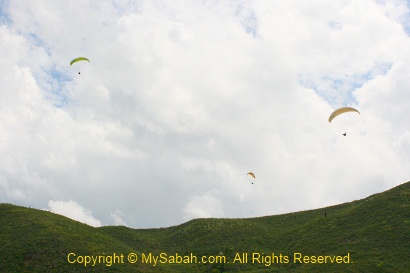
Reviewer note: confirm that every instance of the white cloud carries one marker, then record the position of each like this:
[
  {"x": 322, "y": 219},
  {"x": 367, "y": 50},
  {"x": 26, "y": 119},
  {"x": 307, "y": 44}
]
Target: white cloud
[
  {"x": 205, "y": 206},
  {"x": 182, "y": 99},
  {"x": 117, "y": 217},
  {"x": 74, "y": 211}
]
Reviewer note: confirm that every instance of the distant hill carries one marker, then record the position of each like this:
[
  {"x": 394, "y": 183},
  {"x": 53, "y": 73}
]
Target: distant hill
[{"x": 368, "y": 235}]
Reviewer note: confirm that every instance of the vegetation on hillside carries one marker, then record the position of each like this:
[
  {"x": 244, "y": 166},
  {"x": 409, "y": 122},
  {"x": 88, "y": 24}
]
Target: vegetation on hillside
[{"x": 369, "y": 235}]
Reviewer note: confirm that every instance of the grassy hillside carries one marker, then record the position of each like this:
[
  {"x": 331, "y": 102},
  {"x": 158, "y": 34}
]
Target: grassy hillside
[{"x": 369, "y": 235}]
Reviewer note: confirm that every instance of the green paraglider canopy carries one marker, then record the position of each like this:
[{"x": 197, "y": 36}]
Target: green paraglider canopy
[{"x": 79, "y": 59}]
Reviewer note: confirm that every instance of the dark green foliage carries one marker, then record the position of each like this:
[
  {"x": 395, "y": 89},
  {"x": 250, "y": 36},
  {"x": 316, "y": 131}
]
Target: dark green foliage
[{"x": 375, "y": 231}]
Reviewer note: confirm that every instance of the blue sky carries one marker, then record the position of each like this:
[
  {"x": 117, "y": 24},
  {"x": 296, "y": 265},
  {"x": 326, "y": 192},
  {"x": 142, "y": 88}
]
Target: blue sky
[
  {"x": 182, "y": 99},
  {"x": 338, "y": 90}
]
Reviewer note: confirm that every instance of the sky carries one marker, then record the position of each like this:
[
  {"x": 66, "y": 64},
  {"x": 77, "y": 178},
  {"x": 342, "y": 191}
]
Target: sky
[{"x": 181, "y": 99}]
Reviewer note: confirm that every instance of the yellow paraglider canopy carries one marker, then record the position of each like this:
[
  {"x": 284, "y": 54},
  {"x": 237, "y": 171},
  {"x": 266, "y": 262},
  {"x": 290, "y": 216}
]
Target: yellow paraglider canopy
[
  {"x": 251, "y": 174},
  {"x": 341, "y": 111},
  {"x": 79, "y": 59}
]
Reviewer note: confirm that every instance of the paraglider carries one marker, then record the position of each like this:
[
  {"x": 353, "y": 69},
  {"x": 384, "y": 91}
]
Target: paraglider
[
  {"x": 79, "y": 59},
  {"x": 251, "y": 174},
  {"x": 341, "y": 111}
]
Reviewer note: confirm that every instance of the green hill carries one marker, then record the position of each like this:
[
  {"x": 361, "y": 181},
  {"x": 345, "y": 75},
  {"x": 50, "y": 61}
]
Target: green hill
[{"x": 368, "y": 235}]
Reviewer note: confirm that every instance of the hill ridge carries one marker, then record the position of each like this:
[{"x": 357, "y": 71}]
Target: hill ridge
[{"x": 374, "y": 231}]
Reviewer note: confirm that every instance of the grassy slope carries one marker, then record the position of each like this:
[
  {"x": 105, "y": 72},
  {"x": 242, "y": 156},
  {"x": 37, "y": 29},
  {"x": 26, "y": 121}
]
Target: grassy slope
[
  {"x": 375, "y": 231},
  {"x": 33, "y": 240}
]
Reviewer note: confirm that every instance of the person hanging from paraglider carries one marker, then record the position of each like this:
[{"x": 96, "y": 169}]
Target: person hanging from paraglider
[
  {"x": 341, "y": 111},
  {"x": 251, "y": 174},
  {"x": 77, "y": 60}
]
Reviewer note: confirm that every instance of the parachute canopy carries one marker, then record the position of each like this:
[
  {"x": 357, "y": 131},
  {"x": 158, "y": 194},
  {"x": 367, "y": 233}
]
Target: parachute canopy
[
  {"x": 341, "y": 111},
  {"x": 251, "y": 174},
  {"x": 79, "y": 59}
]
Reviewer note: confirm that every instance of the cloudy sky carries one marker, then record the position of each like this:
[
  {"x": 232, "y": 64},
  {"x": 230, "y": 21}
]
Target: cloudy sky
[{"x": 182, "y": 99}]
